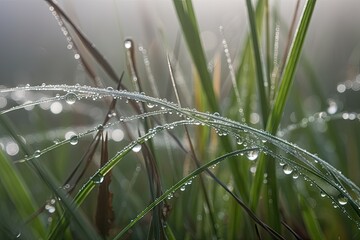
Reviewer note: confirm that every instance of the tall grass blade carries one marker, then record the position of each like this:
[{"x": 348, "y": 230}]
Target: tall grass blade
[
  {"x": 104, "y": 210},
  {"x": 261, "y": 80},
  {"x": 188, "y": 22},
  {"x": 277, "y": 110}
]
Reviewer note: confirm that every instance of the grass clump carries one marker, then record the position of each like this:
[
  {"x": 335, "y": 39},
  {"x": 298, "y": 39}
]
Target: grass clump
[{"x": 120, "y": 162}]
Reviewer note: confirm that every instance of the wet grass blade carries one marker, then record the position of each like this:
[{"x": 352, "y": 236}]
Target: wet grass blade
[
  {"x": 290, "y": 67},
  {"x": 188, "y": 22},
  {"x": 20, "y": 196},
  {"x": 278, "y": 108},
  {"x": 258, "y": 63},
  {"x": 310, "y": 220},
  {"x": 104, "y": 211}
]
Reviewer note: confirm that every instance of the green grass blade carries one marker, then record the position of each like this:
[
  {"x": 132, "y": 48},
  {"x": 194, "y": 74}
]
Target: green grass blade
[
  {"x": 19, "y": 194},
  {"x": 290, "y": 67},
  {"x": 187, "y": 19},
  {"x": 259, "y": 66},
  {"x": 309, "y": 217},
  {"x": 278, "y": 108},
  {"x": 188, "y": 22}
]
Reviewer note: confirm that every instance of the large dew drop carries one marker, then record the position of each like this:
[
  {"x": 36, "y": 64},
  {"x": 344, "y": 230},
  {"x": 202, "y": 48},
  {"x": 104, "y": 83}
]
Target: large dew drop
[
  {"x": 128, "y": 43},
  {"x": 332, "y": 108},
  {"x": 136, "y": 148},
  {"x": 287, "y": 169},
  {"x": 70, "y": 98},
  {"x": 98, "y": 178},
  {"x": 252, "y": 155},
  {"x": 342, "y": 200},
  {"x": 74, "y": 140}
]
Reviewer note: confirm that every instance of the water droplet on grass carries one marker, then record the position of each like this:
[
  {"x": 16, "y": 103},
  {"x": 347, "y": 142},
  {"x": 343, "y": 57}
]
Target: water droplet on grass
[
  {"x": 74, "y": 140},
  {"x": 322, "y": 194},
  {"x": 342, "y": 200},
  {"x": 150, "y": 105},
  {"x": 170, "y": 196},
  {"x": 50, "y": 208},
  {"x": 136, "y": 148},
  {"x": 182, "y": 188},
  {"x": 37, "y": 153},
  {"x": 252, "y": 155},
  {"x": 239, "y": 141},
  {"x": 70, "y": 98},
  {"x": 295, "y": 175},
  {"x": 98, "y": 178},
  {"x": 332, "y": 108},
  {"x": 128, "y": 43},
  {"x": 287, "y": 169}
]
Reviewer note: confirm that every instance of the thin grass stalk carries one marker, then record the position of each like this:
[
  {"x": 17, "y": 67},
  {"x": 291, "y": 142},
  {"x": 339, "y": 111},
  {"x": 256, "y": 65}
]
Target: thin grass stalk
[
  {"x": 261, "y": 80},
  {"x": 192, "y": 150}
]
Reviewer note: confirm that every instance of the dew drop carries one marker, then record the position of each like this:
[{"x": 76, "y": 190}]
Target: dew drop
[
  {"x": 332, "y": 108},
  {"x": 170, "y": 196},
  {"x": 98, "y": 178},
  {"x": 182, "y": 188},
  {"x": 150, "y": 105},
  {"x": 342, "y": 200},
  {"x": 37, "y": 153},
  {"x": 322, "y": 194},
  {"x": 56, "y": 141},
  {"x": 287, "y": 169},
  {"x": 50, "y": 208},
  {"x": 77, "y": 56},
  {"x": 109, "y": 88},
  {"x": 74, "y": 140},
  {"x": 128, "y": 43},
  {"x": 252, "y": 155},
  {"x": 70, "y": 98},
  {"x": 295, "y": 175},
  {"x": 136, "y": 148},
  {"x": 239, "y": 141}
]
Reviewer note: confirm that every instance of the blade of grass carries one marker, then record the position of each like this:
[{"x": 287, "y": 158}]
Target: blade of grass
[
  {"x": 312, "y": 225},
  {"x": 187, "y": 18},
  {"x": 19, "y": 194},
  {"x": 258, "y": 63},
  {"x": 276, "y": 114},
  {"x": 104, "y": 210},
  {"x": 186, "y": 15}
]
